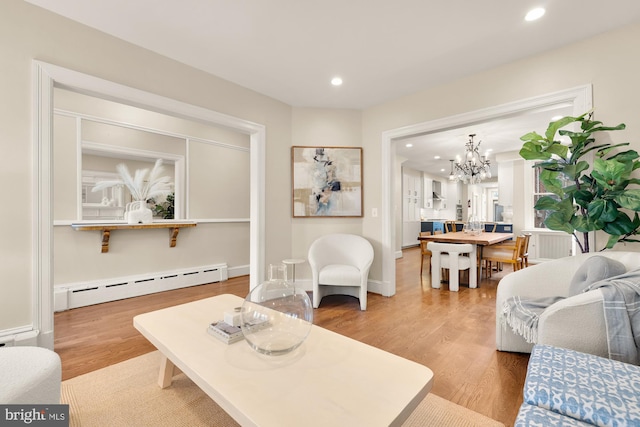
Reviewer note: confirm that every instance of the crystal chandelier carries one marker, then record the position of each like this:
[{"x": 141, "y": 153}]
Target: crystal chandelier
[{"x": 474, "y": 168}]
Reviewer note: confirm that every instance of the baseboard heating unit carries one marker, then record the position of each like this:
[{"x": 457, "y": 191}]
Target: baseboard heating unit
[{"x": 75, "y": 295}]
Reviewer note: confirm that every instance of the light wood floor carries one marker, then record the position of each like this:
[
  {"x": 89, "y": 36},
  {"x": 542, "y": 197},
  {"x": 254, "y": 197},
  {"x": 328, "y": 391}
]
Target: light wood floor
[{"x": 453, "y": 333}]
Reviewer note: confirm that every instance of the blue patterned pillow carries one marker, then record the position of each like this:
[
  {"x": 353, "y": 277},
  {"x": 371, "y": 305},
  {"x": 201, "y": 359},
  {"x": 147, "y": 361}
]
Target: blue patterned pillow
[
  {"x": 589, "y": 388},
  {"x": 530, "y": 415}
]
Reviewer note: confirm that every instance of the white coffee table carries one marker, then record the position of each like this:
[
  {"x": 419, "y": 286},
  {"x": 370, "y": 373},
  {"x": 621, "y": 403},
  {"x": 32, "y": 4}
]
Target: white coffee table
[{"x": 330, "y": 380}]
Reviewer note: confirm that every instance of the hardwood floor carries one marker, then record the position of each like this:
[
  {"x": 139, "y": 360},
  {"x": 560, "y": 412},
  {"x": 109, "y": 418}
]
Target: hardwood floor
[{"x": 453, "y": 333}]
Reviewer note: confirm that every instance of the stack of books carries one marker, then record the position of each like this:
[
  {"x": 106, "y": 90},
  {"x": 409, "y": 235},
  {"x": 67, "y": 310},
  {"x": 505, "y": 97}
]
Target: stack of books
[{"x": 225, "y": 332}]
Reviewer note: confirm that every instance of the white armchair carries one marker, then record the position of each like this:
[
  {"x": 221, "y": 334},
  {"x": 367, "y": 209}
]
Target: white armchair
[
  {"x": 576, "y": 323},
  {"x": 340, "y": 265}
]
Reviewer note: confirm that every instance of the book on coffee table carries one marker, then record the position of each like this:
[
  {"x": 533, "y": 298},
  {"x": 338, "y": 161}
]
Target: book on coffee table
[{"x": 225, "y": 332}]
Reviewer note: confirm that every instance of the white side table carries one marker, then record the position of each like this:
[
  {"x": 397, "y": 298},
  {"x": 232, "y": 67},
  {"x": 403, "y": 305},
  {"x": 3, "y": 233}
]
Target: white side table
[{"x": 293, "y": 262}]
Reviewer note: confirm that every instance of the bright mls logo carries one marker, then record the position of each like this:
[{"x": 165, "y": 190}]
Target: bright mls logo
[{"x": 34, "y": 415}]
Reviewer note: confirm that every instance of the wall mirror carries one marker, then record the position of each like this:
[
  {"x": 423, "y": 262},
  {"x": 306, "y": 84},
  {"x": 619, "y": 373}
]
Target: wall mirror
[{"x": 94, "y": 135}]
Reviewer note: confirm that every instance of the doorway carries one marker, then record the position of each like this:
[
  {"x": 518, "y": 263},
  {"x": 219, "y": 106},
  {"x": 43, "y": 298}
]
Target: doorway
[
  {"x": 47, "y": 77},
  {"x": 578, "y": 98}
]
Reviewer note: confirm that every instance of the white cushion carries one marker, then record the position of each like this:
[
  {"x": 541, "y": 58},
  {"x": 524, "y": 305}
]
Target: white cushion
[
  {"x": 464, "y": 262},
  {"x": 340, "y": 275},
  {"x": 30, "y": 375}
]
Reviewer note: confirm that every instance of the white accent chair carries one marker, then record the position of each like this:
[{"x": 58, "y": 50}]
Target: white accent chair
[
  {"x": 576, "y": 322},
  {"x": 448, "y": 255},
  {"x": 340, "y": 266}
]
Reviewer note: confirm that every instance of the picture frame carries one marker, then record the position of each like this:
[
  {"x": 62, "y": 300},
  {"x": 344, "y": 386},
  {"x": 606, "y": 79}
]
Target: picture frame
[{"x": 326, "y": 182}]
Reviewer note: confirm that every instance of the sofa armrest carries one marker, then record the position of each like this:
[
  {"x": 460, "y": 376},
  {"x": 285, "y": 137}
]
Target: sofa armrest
[
  {"x": 538, "y": 281},
  {"x": 576, "y": 323},
  {"x": 553, "y": 278}
]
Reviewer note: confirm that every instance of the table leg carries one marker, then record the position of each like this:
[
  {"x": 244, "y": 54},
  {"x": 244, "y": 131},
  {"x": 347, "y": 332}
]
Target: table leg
[{"x": 167, "y": 369}]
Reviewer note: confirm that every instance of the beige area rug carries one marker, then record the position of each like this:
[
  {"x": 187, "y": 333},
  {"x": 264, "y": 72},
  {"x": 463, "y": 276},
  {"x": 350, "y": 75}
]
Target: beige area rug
[{"x": 127, "y": 395}]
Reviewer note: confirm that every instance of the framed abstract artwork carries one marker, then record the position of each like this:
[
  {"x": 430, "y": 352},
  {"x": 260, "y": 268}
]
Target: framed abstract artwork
[{"x": 326, "y": 181}]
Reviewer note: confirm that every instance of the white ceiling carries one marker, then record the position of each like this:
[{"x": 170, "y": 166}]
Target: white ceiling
[{"x": 383, "y": 49}]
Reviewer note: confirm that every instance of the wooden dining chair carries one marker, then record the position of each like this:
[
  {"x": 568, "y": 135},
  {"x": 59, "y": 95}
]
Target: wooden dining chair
[
  {"x": 450, "y": 226},
  {"x": 503, "y": 253},
  {"x": 425, "y": 251},
  {"x": 524, "y": 255}
]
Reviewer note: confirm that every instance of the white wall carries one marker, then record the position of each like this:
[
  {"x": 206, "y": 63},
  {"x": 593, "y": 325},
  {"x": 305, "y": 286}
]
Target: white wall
[
  {"x": 324, "y": 128},
  {"x": 612, "y": 71},
  {"x": 28, "y": 32}
]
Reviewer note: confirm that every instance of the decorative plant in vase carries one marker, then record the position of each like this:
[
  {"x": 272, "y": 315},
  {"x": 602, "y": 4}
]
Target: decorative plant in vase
[
  {"x": 165, "y": 209},
  {"x": 586, "y": 197},
  {"x": 143, "y": 185}
]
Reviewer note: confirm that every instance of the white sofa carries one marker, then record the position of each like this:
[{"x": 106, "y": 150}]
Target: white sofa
[{"x": 575, "y": 323}]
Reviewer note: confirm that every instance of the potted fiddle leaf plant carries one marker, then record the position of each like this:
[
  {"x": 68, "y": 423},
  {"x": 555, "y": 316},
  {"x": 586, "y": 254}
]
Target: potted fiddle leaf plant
[{"x": 586, "y": 195}]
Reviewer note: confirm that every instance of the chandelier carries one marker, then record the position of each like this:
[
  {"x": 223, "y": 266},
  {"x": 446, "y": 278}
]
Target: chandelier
[{"x": 474, "y": 168}]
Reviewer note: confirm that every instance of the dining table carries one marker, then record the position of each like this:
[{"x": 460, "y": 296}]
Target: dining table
[{"x": 477, "y": 241}]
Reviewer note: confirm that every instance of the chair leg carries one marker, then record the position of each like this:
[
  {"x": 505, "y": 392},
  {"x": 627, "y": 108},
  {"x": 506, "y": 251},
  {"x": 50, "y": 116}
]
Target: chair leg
[
  {"x": 454, "y": 280},
  {"x": 421, "y": 263}
]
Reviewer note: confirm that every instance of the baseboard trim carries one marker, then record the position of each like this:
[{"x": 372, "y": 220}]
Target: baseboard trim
[{"x": 73, "y": 295}]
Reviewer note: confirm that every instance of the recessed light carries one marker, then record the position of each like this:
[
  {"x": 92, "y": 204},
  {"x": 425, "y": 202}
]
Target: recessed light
[
  {"x": 534, "y": 14},
  {"x": 436, "y": 157},
  {"x": 441, "y": 170},
  {"x": 336, "y": 81},
  {"x": 409, "y": 145},
  {"x": 556, "y": 118}
]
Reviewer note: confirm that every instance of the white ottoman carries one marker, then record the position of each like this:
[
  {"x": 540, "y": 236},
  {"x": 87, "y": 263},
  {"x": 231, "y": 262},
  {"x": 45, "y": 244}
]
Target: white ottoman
[{"x": 29, "y": 375}]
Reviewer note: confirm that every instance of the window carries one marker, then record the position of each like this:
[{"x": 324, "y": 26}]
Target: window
[{"x": 539, "y": 191}]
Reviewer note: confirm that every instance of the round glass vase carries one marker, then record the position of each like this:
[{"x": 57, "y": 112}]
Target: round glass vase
[{"x": 276, "y": 316}]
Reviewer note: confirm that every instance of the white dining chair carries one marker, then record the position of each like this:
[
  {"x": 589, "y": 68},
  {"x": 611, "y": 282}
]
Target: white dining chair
[{"x": 449, "y": 256}]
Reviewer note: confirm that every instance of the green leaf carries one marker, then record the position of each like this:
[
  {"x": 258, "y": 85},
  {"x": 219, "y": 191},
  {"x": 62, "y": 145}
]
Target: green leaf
[
  {"x": 556, "y": 221},
  {"x": 547, "y": 203},
  {"x": 573, "y": 171},
  {"x": 584, "y": 224},
  {"x": 609, "y": 173},
  {"x": 551, "y": 165},
  {"x": 558, "y": 149},
  {"x": 552, "y": 182},
  {"x": 621, "y": 226},
  {"x": 629, "y": 199},
  {"x": 565, "y": 207},
  {"x": 613, "y": 239},
  {"x": 531, "y": 151},
  {"x": 602, "y": 210},
  {"x": 582, "y": 197},
  {"x": 555, "y": 126},
  {"x": 532, "y": 137},
  {"x": 621, "y": 126},
  {"x": 624, "y": 156}
]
